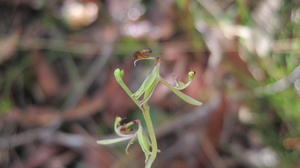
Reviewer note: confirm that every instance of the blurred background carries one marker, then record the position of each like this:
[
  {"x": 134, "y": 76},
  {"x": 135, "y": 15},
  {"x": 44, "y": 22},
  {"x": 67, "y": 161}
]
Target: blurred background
[{"x": 58, "y": 94}]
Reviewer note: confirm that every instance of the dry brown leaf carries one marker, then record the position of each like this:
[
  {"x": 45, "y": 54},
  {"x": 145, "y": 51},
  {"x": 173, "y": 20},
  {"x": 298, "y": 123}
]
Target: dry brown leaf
[
  {"x": 41, "y": 155},
  {"x": 47, "y": 79},
  {"x": 292, "y": 143},
  {"x": 96, "y": 156},
  {"x": 8, "y": 46},
  {"x": 61, "y": 160}
]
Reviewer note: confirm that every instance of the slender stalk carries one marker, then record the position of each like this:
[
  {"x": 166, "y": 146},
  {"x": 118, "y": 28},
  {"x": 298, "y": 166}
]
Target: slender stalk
[{"x": 151, "y": 132}]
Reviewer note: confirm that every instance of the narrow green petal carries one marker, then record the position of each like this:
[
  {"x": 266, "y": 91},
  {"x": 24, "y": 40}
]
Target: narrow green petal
[
  {"x": 141, "y": 90},
  {"x": 186, "y": 98},
  {"x": 148, "y": 82},
  {"x": 182, "y": 85},
  {"x": 112, "y": 141},
  {"x": 149, "y": 92},
  {"x": 183, "y": 96}
]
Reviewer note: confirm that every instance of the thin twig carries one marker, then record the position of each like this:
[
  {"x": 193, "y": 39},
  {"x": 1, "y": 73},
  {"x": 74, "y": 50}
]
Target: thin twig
[{"x": 47, "y": 135}]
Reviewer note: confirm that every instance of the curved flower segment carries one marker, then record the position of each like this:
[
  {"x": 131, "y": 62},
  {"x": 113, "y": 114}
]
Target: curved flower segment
[{"x": 124, "y": 132}]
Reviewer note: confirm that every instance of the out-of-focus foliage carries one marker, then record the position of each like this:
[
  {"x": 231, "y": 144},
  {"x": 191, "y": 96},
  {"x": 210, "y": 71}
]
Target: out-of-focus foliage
[{"x": 58, "y": 94}]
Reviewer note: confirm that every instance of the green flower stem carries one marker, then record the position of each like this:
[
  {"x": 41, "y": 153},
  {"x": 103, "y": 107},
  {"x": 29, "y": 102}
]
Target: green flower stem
[
  {"x": 146, "y": 113},
  {"x": 151, "y": 132}
]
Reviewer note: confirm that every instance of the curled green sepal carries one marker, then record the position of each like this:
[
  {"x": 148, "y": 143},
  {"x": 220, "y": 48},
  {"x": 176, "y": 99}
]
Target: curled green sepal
[
  {"x": 119, "y": 78},
  {"x": 177, "y": 91},
  {"x": 181, "y": 85},
  {"x": 122, "y": 137},
  {"x": 139, "y": 135}
]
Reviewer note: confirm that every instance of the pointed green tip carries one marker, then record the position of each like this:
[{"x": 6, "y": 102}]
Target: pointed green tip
[
  {"x": 198, "y": 104},
  {"x": 191, "y": 75},
  {"x": 119, "y": 73},
  {"x": 100, "y": 142}
]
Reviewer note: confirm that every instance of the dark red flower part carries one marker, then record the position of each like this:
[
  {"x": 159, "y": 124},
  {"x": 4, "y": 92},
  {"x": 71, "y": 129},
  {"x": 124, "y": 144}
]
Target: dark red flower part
[{"x": 142, "y": 54}]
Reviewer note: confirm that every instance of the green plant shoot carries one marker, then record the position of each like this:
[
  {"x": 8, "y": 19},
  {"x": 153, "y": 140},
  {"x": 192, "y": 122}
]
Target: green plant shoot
[{"x": 147, "y": 141}]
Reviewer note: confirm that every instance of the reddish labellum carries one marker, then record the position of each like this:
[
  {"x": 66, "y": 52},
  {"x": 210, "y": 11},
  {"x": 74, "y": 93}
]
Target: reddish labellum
[
  {"x": 126, "y": 129},
  {"x": 141, "y": 54}
]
